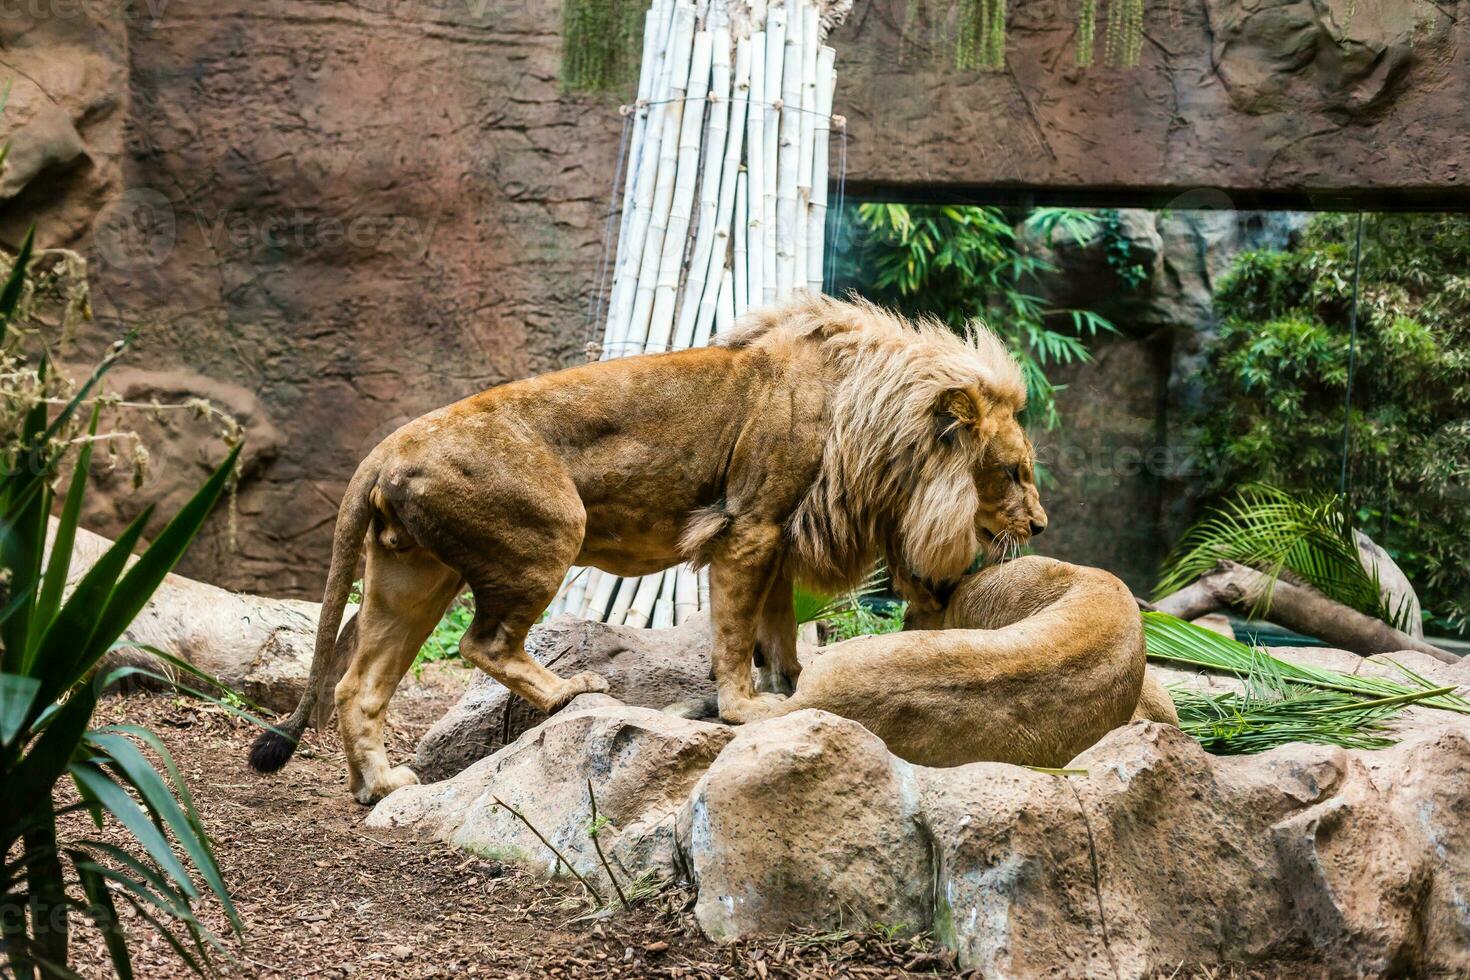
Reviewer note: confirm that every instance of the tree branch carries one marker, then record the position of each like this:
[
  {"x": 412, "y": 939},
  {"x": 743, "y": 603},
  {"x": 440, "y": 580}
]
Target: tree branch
[{"x": 1297, "y": 607}]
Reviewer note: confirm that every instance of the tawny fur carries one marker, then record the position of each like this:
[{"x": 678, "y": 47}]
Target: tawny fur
[
  {"x": 1031, "y": 662},
  {"x": 817, "y": 436}
]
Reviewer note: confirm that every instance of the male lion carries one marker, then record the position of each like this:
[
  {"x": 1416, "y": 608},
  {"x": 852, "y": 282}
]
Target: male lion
[
  {"x": 815, "y": 437},
  {"x": 1029, "y": 662}
]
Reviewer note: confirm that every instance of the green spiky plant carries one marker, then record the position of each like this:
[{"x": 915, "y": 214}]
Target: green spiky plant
[
  {"x": 845, "y": 615},
  {"x": 1283, "y": 702},
  {"x": 49, "y": 686},
  {"x": 1272, "y": 530}
]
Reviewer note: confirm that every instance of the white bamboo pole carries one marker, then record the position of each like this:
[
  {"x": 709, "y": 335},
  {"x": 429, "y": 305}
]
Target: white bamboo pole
[
  {"x": 631, "y": 247},
  {"x": 725, "y": 306},
  {"x": 817, "y": 218},
  {"x": 771, "y": 126},
  {"x": 807, "y": 121},
  {"x": 576, "y": 592},
  {"x": 709, "y": 190},
  {"x": 739, "y": 258},
  {"x": 704, "y": 588},
  {"x": 642, "y": 606},
  {"x": 789, "y": 158},
  {"x": 755, "y": 169},
  {"x": 686, "y": 593},
  {"x": 663, "y": 612},
  {"x": 622, "y": 600},
  {"x": 601, "y": 598},
  {"x": 684, "y": 70},
  {"x": 589, "y": 590}
]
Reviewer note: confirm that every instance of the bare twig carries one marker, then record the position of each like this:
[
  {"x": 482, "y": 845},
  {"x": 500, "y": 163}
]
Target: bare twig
[
  {"x": 551, "y": 847},
  {"x": 597, "y": 846}
]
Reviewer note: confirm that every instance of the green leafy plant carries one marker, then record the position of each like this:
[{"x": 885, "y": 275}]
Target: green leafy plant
[
  {"x": 1283, "y": 702},
  {"x": 1274, "y": 386},
  {"x": 49, "y": 690},
  {"x": 961, "y": 263},
  {"x": 1118, "y": 250},
  {"x": 1271, "y": 530},
  {"x": 850, "y": 614},
  {"x": 443, "y": 642}
]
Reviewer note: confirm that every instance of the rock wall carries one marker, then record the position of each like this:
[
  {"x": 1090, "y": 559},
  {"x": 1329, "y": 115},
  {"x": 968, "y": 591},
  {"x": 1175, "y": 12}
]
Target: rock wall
[{"x": 335, "y": 217}]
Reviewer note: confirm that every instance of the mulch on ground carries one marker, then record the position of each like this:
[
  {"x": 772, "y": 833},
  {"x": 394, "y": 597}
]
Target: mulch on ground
[{"x": 323, "y": 896}]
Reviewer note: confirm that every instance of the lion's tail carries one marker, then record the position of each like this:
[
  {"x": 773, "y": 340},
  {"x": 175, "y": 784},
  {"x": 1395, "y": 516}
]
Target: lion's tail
[{"x": 274, "y": 747}]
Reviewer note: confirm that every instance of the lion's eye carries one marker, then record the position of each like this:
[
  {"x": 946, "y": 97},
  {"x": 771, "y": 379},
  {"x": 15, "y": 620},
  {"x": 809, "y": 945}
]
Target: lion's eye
[{"x": 1014, "y": 472}]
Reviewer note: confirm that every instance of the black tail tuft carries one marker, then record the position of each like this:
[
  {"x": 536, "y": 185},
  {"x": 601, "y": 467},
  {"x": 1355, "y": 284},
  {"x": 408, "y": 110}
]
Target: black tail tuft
[{"x": 271, "y": 751}]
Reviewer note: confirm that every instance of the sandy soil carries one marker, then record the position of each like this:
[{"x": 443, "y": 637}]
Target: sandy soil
[{"x": 321, "y": 895}]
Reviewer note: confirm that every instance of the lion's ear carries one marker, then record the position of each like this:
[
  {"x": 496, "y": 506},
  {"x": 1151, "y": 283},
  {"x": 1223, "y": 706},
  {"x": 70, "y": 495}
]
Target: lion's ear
[{"x": 958, "y": 408}]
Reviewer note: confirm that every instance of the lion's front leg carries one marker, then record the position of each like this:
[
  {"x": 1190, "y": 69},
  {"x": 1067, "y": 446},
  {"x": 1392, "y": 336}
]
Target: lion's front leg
[
  {"x": 777, "y": 668},
  {"x": 745, "y": 566}
]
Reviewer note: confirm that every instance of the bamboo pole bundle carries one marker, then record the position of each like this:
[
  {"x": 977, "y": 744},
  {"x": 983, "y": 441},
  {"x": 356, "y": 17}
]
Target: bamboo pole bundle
[
  {"x": 663, "y": 193},
  {"x": 816, "y": 235},
  {"x": 771, "y": 126},
  {"x": 788, "y": 157},
  {"x": 721, "y": 169},
  {"x": 704, "y": 316},
  {"x": 724, "y": 208},
  {"x": 630, "y": 246},
  {"x": 711, "y": 53}
]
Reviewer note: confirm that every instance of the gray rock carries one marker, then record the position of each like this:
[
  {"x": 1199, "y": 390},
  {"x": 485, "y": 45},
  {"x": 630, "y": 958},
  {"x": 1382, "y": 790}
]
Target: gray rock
[
  {"x": 641, "y": 764},
  {"x": 650, "y": 668}
]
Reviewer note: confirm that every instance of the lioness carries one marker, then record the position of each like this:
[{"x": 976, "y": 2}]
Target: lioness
[
  {"x": 1030, "y": 662},
  {"x": 813, "y": 438}
]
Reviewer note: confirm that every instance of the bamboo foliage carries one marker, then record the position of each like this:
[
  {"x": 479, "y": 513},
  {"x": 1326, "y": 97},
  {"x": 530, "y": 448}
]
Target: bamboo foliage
[{"x": 724, "y": 207}]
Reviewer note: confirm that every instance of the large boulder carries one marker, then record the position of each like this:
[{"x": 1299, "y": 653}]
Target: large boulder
[
  {"x": 1147, "y": 853},
  {"x": 641, "y": 765},
  {"x": 649, "y": 668},
  {"x": 259, "y": 646},
  {"x": 806, "y": 820}
]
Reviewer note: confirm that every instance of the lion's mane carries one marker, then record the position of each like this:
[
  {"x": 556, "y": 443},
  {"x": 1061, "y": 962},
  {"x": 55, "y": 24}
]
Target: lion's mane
[{"x": 891, "y": 480}]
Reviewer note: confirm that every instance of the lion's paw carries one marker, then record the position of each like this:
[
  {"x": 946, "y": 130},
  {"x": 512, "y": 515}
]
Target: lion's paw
[
  {"x": 586, "y": 682},
  {"x": 746, "y": 710},
  {"x": 396, "y": 778}
]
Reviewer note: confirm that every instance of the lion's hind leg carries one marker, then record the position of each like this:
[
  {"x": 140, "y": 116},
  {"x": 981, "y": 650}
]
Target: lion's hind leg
[
  {"x": 496, "y": 643},
  {"x": 777, "y": 668},
  {"x": 404, "y": 594}
]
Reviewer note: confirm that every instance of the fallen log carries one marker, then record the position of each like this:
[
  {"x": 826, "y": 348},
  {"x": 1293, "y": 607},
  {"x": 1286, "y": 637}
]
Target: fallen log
[
  {"x": 1297, "y": 607},
  {"x": 254, "y": 644}
]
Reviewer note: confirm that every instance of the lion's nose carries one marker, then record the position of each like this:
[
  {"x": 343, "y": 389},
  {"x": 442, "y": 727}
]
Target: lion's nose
[{"x": 1037, "y": 528}]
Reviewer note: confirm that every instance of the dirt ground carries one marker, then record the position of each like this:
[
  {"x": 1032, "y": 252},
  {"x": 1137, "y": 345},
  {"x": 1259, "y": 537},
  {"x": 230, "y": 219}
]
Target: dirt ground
[{"x": 321, "y": 895}]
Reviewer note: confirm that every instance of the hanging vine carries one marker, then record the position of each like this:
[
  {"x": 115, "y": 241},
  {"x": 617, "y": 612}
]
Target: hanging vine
[
  {"x": 602, "y": 41},
  {"x": 980, "y": 35},
  {"x": 1086, "y": 33}
]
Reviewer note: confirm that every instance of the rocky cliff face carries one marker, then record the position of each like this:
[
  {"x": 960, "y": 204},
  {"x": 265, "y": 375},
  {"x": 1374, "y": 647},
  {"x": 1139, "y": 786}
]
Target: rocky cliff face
[
  {"x": 1123, "y": 474},
  {"x": 335, "y": 217}
]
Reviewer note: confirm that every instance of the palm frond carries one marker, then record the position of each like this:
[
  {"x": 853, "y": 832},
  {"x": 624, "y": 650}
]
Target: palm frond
[{"x": 1273, "y": 531}]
